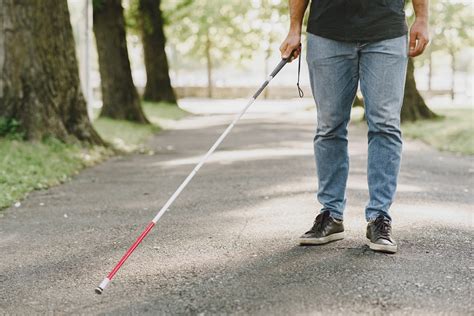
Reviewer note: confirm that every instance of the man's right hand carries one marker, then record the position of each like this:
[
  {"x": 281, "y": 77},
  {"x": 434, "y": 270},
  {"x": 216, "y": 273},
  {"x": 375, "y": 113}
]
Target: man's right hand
[{"x": 291, "y": 44}]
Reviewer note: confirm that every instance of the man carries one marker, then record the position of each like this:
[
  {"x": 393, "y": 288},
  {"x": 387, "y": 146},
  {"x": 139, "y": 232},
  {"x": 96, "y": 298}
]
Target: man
[{"x": 351, "y": 41}]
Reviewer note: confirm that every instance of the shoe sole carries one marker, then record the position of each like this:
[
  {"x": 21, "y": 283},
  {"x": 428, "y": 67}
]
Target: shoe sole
[
  {"x": 322, "y": 240},
  {"x": 382, "y": 248}
]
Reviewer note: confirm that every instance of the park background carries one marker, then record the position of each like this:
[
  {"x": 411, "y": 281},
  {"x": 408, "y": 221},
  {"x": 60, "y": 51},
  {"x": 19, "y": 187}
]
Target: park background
[{"x": 214, "y": 51}]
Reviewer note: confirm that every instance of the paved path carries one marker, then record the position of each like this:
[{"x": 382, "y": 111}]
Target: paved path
[{"x": 228, "y": 245}]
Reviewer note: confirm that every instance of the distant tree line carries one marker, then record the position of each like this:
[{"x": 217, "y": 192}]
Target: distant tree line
[{"x": 39, "y": 82}]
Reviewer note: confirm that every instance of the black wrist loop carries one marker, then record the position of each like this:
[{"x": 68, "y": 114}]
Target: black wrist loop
[{"x": 300, "y": 91}]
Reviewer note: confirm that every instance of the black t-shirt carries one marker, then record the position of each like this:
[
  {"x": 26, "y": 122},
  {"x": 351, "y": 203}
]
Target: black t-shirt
[{"x": 357, "y": 20}]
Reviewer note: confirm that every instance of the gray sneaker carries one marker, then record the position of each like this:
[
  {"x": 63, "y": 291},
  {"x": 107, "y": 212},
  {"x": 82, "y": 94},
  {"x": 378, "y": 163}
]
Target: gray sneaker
[
  {"x": 379, "y": 233},
  {"x": 325, "y": 229}
]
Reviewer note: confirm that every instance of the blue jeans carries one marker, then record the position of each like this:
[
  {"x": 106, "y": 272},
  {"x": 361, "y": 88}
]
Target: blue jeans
[{"x": 335, "y": 70}]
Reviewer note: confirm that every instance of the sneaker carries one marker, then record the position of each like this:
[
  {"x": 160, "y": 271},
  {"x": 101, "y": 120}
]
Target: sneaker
[
  {"x": 379, "y": 233},
  {"x": 325, "y": 229}
]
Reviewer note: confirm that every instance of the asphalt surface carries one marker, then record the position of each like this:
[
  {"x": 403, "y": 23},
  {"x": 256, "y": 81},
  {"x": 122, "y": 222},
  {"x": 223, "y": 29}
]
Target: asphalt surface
[{"x": 229, "y": 243}]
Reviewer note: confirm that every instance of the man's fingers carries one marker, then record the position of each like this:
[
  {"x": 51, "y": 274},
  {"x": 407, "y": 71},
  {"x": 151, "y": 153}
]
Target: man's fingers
[
  {"x": 419, "y": 48},
  {"x": 425, "y": 44},
  {"x": 422, "y": 47},
  {"x": 288, "y": 53},
  {"x": 283, "y": 47},
  {"x": 412, "y": 43}
]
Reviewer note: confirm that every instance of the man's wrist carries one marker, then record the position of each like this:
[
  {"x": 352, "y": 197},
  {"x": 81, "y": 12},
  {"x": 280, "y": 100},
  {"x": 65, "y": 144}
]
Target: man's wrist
[
  {"x": 295, "y": 29},
  {"x": 422, "y": 18}
]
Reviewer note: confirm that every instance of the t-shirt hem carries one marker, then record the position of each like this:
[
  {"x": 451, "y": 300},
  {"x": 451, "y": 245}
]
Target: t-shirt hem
[{"x": 382, "y": 37}]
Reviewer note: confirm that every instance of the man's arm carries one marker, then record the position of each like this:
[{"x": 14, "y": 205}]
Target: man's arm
[
  {"x": 419, "y": 34},
  {"x": 293, "y": 39}
]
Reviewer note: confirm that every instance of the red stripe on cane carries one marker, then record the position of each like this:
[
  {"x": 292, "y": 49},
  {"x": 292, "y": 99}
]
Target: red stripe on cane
[{"x": 130, "y": 250}]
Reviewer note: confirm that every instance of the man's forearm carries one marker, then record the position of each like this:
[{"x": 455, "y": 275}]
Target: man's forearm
[
  {"x": 421, "y": 9},
  {"x": 297, "y": 9}
]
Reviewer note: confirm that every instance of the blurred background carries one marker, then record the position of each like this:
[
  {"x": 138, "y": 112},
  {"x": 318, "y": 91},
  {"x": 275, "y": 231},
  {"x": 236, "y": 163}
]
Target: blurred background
[{"x": 224, "y": 49}]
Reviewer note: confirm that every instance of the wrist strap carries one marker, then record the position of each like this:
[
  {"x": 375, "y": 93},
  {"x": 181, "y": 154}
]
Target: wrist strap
[{"x": 300, "y": 91}]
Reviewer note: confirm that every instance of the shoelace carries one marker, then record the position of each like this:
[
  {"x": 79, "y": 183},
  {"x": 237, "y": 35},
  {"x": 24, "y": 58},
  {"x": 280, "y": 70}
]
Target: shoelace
[
  {"x": 318, "y": 222},
  {"x": 383, "y": 227}
]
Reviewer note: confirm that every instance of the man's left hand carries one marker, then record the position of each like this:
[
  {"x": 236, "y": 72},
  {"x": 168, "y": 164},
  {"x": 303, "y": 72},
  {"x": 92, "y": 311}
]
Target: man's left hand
[{"x": 419, "y": 37}]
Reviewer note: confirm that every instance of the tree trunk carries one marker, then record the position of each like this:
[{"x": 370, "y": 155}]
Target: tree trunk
[
  {"x": 430, "y": 70},
  {"x": 158, "y": 85},
  {"x": 39, "y": 75},
  {"x": 209, "y": 66},
  {"x": 414, "y": 107},
  {"x": 268, "y": 53},
  {"x": 119, "y": 95},
  {"x": 453, "y": 73}
]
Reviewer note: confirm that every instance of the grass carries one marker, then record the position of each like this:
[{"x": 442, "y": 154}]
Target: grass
[
  {"x": 123, "y": 135},
  {"x": 127, "y": 136},
  {"x": 454, "y": 132},
  {"x": 28, "y": 166},
  {"x": 157, "y": 112}
]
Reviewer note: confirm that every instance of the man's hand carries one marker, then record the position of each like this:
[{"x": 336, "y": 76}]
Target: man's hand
[
  {"x": 419, "y": 37},
  {"x": 291, "y": 44}
]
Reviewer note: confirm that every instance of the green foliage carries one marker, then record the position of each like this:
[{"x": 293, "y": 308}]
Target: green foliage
[
  {"x": 10, "y": 128},
  {"x": 124, "y": 135},
  {"x": 127, "y": 136},
  {"x": 175, "y": 10},
  {"x": 452, "y": 23},
  {"x": 271, "y": 23},
  {"x": 98, "y": 4},
  {"x": 224, "y": 30},
  {"x": 157, "y": 111},
  {"x": 26, "y": 166},
  {"x": 453, "y": 132},
  {"x": 132, "y": 17}
]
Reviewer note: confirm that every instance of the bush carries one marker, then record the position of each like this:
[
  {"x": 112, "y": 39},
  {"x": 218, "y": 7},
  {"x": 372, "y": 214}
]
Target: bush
[{"x": 10, "y": 128}]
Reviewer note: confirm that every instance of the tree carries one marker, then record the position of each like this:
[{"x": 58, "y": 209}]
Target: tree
[
  {"x": 452, "y": 22},
  {"x": 414, "y": 106},
  {"x": 158, "y": 86},
  {"x": 39, "y": 77},
  {"x": 119, "y": 95},
  {"x": 269, "y": 26},
  {"x": 215, "y": 33}
]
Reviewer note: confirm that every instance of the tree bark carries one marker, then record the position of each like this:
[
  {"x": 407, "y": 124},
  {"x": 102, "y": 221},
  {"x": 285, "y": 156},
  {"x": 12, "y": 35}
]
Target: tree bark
[
  {"x": 39, "y": 75},
  {"x": 119, "y": 95},
  {"x": 158, "y": 85},
  {"x": 453, "y": 73},
  {"x": 414, "y": 107}
]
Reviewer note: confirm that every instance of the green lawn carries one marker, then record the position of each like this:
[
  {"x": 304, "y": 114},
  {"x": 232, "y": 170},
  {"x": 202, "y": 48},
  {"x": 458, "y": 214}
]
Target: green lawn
[
  {"x": 453, "y": 132},
  {"x": 127, "y": 136},
  {"x": 163, "y": 111},
  {"x": 26, "y": 166},
  {"x": 124, "y": 136}
]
